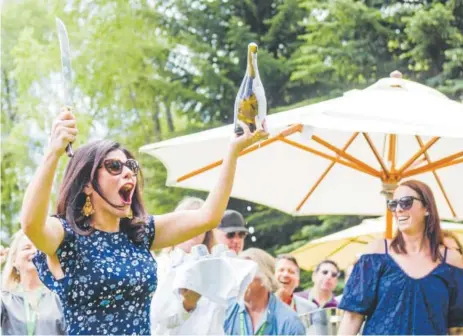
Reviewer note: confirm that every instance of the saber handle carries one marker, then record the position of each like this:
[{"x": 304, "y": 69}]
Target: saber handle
[{"x": 69, "y": 150}]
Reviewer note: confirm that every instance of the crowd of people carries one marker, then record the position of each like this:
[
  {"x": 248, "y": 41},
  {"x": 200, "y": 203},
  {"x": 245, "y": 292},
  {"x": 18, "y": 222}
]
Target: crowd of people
[{"x": 93, "y": 266}]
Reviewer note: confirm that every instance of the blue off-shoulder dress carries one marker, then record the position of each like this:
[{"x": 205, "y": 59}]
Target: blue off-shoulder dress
[
  {"x": 108, "y": 281},
  {"x": 397, "y": 304}
]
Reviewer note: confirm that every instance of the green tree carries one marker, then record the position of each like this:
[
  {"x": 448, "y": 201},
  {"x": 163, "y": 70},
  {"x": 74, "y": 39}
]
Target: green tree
[
  {"x": 148, "y": 71},
  {"x": 24, "y": 113}
]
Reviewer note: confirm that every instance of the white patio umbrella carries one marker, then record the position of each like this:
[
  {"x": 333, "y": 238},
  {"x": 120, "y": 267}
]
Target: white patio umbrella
[
  {"x": 339, "y": 156},
  {"x": 344, "y": 246}
]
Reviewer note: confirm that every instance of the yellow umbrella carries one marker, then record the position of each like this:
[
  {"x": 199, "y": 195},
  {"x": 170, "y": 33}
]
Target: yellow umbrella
[{"x": 345, "y": 246}]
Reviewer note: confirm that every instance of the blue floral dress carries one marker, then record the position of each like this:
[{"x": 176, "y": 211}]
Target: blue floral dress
[
  {"x": 397, "y": 304},
  {"x": 108, "y": 282}
]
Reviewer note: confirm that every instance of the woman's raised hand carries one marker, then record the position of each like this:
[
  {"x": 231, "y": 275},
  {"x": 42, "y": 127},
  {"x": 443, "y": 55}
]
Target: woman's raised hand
[
  {"x": 63, "y": 132},
  {"x": 248, "y": 138}
]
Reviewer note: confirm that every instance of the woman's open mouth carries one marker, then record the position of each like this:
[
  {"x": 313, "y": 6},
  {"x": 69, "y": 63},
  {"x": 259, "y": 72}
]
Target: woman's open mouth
[{"x": 126, "y": 193}]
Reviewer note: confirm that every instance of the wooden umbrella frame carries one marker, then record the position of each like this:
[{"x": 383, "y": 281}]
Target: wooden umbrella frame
[{"x": 389, "y": 176}]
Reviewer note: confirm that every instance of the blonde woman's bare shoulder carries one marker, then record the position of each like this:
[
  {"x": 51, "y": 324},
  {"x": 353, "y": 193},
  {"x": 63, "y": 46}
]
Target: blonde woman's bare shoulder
[
  {"x": 454, "y": 258},
  {"x": 377, "y": 246}
]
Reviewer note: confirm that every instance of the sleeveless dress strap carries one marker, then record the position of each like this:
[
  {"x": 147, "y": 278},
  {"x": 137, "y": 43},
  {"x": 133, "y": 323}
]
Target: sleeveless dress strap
[
  {"x": 385, "y": 246},
  {"x": 445, "y": 254}
]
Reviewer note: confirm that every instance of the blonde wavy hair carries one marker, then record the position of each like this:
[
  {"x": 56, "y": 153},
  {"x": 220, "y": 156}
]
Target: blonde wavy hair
[
  {"x": 192, "y": 203},
  {"x": 265, "y": 267},
  {"x": 11, "y": 276}
]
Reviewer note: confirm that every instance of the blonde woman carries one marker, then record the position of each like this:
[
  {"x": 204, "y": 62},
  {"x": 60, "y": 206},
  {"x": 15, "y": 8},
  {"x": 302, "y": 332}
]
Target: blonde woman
[
  {"x": 27, "y": 307},
  {"x": 3, "y": 254},
  {"x": 262, "y": 313},
  {"x": 205, "y": 238}
]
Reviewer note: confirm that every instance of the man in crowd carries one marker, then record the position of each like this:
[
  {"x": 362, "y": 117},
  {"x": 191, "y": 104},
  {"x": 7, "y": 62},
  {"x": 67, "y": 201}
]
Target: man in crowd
[
  {"x": 261, "y": 313},
  {"x": 325, "y": 279},
  {"x": 231, "y": 231},
  {"x": 287, "y": 274}
]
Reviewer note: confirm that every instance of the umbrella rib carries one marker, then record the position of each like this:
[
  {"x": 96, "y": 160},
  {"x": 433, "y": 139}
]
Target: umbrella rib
[
  {"x": 327, "y": 170},
  {"x": 339, "y": 248},
  {"x": 438, "y": 180},
  {"x": 376, "y": 154},
  {"x": 360, "y": 241},
  {"x": 310, "y": 246},
  {"x": 442, "y": 163},
  {"x": 417, "y": 155},
  {"x": 371, "y": 236},
  {"x": 346, "y": 156},
  {"x": 330, "y": 157},
  {"x": 288, "y": 131}
]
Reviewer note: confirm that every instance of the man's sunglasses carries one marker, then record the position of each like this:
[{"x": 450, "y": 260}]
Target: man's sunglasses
[
  {"x": 405, "y": 203},
  {"x": 115, "y": 166},
  {"x": 333, "y": 274},
  {"x": 240, "y": 234}
]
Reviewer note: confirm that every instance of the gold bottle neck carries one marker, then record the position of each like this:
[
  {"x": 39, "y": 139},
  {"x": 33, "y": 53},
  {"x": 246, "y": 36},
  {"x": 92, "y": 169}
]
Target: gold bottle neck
[{"x": 252, "y": 63}]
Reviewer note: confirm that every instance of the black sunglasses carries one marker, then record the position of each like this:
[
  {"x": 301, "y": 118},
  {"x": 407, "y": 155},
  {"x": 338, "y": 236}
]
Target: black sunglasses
[
  {"x": 333, "y": 274},
  {"x": 240, "y": 234},
  {"x": 405, "y": 203},
  {"x": 115, "y": 166}
]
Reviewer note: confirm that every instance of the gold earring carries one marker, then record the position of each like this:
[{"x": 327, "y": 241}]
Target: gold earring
[
  {"x": 87, "y": 209},
  {"x": 16, "y": 273},
  {"x": 130, "y": 216}
]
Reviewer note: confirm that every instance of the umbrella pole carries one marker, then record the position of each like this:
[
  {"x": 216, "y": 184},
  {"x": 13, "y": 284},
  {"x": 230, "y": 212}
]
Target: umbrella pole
[
  {"x": 388, "y": 188},
  {"x": 388, "y": 224},
  {"x": 388, "y": 192}
]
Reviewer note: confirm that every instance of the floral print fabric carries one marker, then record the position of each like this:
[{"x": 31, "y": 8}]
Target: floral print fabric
[{"x": 108, "y": 282}]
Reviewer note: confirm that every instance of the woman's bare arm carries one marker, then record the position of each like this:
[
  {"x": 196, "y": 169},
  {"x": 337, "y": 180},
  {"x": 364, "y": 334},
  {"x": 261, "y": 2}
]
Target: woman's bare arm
[
  {"x": 176, "y": 227},
  {"x": 351, "y": 323},
  {"x": 45, "y": 232}
]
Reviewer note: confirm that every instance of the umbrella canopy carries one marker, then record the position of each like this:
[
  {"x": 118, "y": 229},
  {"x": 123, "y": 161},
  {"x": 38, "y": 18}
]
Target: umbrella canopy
[
  {"x": 339, "y": 156},
  {"x": 343, "y": 247}
]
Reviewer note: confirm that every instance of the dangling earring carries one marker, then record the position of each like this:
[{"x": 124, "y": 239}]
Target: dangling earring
[
  {"x": 130, "y": 215},
  {"x": 87, "y": 209},
  {"x": 16, "y": 273}
]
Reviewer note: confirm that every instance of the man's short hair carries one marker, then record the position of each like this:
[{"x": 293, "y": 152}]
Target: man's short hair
[
  {"x": 327, "y": 261},
  {"x": 290, "y": 258}
]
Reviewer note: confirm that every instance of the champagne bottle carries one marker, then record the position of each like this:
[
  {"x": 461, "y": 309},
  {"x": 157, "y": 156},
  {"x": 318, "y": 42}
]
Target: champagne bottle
[{"x": 250, "y": 100}]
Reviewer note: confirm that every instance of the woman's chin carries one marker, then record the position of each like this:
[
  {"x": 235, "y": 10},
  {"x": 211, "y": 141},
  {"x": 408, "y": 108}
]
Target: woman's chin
[
  {"x": 123, "y": 212},
  {"x": 407, "y": 229}
]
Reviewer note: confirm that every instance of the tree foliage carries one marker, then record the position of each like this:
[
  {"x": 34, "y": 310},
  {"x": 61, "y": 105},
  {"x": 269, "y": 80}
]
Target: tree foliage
[{"x": 148, "y": 71}]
